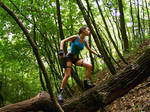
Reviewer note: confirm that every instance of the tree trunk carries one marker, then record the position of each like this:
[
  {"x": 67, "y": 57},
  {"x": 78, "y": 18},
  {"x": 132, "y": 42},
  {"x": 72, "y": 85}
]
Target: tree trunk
[
  {"x": 143, "y": 30},
  {"x": 40, "y": 102},
  {"x": 59, "y": 20},
  {"x": 75, "y": 76},
  {"x": 41, "y": 80},
  {"x": 132, "y": 18},
  {"x": 90, "y": 54},
  {"x": 148, "y": 15},
  {"x": 60, "y": 24},
  {"x": 122, "y": 24},
  {"x": 91, "y": 100},
  {"x": 139, "y": 21}
]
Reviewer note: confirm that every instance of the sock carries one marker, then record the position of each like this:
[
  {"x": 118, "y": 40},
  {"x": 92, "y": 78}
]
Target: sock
[
  {"x": 86, "y": 79},
  {"x": 61, "y": 90}
]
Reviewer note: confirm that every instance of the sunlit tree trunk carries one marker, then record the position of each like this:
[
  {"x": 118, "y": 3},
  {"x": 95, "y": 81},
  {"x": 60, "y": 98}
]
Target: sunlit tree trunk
[
  {"x": 132, "y": 19},
  {"x": 117, "y": 26},
  {"x": 139, "y": 21},
  {"x": 143, "y": 19},
  {"x": 41, "y": 80},
  {"x": 114, "y": 32}
]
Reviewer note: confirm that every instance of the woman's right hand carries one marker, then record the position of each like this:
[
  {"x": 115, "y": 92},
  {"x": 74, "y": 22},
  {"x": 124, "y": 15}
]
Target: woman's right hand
[{"x": 61, "y": 53}]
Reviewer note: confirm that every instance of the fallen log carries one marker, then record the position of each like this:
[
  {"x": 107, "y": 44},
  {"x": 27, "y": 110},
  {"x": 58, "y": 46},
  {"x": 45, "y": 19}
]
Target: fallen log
[
  {"x": 91, "y": 100},
  {"x": 40, "y": 102}
]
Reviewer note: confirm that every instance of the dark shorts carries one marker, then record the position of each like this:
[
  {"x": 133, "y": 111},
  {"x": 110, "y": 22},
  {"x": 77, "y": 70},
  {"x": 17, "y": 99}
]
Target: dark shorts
[{"x": 72, "y": 58}]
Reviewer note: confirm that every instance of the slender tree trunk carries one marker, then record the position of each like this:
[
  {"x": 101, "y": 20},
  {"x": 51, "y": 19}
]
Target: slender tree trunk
[
  {"x": 60, "y": 24},
  {"x": 34, "y": 26},
  {"x": 41, "y": 80},
  {"x": 132, "y": 19},
  {"x": 76, "y": 78},
  {"x": 106, "y": 39},
  {"x": 148, "y": 14},
  {"x": 128, "y": 32},
  {"x": 91, "y": 56},
  {"x": 97, "y": 38},
  {"x": 113, "y": 28},
  {"x": 117, "y": 26},
  {"x": 70, "y": 16},
  {"x": 122, "y": 24},
  {"x": 59, "y": 20},
  {"x": 36, "y": 52},
  {"x": 1, "y": 97},
  {"x": 143, "y": 19},
  {"x": 138, "y": 17},
  {"x": 110, "y": 37},
  {"x": 115, "y": 19}
]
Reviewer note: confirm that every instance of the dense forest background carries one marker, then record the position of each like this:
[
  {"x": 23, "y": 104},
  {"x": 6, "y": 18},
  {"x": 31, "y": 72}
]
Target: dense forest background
[{"x": 117, "y": 27}]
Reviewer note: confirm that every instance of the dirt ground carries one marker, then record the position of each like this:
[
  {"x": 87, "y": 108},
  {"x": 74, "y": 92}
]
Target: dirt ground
[{"x": 137, "y": 99}]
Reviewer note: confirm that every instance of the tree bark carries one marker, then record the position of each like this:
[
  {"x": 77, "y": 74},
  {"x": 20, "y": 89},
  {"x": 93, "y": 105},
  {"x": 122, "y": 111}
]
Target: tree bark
[
  {"x": 132, "y": 18},
  {"x": 139, "y": 21},
  {"x": 143, "y": 20},
  {"x": 91, "y": 100},
  {"x": 122, "y": 24},
  {"x": 60, "y": 24},
  {"x": 59, "y": 20},
  {"x": 40, "y": 102}
]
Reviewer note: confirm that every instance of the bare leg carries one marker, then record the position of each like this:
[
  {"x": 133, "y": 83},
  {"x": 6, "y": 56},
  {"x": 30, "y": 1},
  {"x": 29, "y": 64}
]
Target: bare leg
[
  {"x": 67, "y": 75},
  {"x": 87, "y": 84},
  {"x": 87, "y": 66}
]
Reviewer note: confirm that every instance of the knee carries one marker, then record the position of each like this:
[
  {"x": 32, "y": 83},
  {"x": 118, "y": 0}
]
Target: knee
[{"x": 90, "y": 66}]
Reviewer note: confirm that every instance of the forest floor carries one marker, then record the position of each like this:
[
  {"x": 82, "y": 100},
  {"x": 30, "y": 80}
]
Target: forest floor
[{"x": 138, "y": 98}]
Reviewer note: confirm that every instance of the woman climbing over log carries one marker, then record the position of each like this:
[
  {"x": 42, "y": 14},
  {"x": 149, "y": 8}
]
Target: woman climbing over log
[{"x": 77, "y": 44}]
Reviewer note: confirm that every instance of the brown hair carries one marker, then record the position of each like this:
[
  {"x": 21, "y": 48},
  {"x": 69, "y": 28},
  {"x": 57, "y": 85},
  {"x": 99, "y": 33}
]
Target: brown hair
[{"x": 82, "y": 28}]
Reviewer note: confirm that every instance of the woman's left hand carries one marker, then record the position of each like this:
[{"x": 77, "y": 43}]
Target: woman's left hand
[{"x": 100, "y": 56}]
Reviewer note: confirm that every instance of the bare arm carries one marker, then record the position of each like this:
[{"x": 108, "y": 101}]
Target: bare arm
[
  {"x": 66, "y": 40},
  {"x": 90, "y": 50}
]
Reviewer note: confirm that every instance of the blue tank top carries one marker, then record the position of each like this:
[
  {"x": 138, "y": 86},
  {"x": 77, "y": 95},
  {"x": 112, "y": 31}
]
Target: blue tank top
[{"x": 76, "y": 47}]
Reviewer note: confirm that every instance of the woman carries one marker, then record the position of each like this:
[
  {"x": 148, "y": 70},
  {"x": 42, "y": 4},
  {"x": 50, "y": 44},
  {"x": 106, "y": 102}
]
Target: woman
[{"x": 77, "y": 44}]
